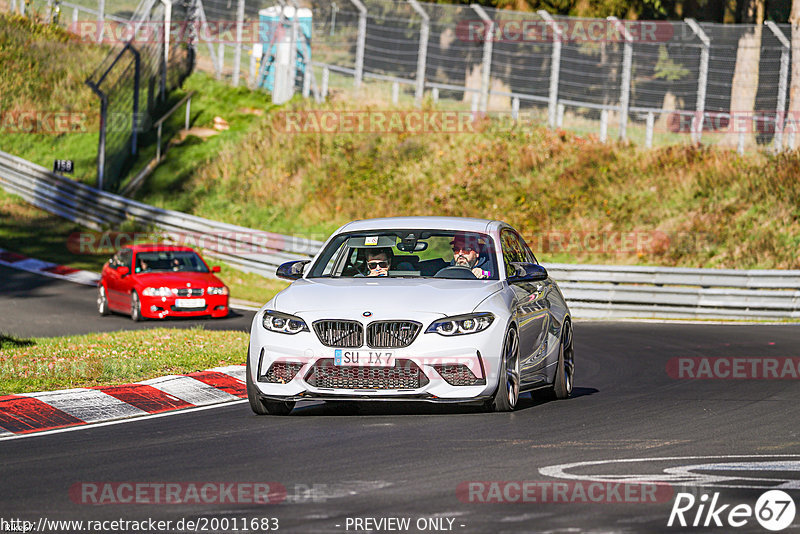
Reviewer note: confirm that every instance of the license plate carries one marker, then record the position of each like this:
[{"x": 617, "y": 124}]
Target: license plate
[
  {"x": 363, "y": 358},
  {"x": 190, "y": 303}
]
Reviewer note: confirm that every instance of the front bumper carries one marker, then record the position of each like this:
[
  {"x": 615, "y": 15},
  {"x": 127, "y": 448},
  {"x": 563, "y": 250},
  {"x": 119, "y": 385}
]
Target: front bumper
[
  {"x": 435, "y": 357},
  {"x": 160, "y": 307}
]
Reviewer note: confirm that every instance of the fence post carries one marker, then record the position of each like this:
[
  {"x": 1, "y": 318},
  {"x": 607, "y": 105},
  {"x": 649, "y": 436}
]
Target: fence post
[
  {"x": 188, "y": 112},
  {"x": 362, "y": 38},
  {"x": 560, "y": 115},
  {"x": 326, "y": 73},
  {"x": 603, "y": 125},
  {"x": 101, "y": 19},
  {"x": 435, "y": 94},
  {"x": 75, "y": 16},
  {"x": 625, "y": 85},
  {"x": 13, "y": 7},
  {"x": 204, "y": 23},
  {"x": 165, "y": 58},
  {"x": 101, "y": 143},
  {"x": 702, "y": 81},
  {"x": 555, "y": 68},
  {"x": 422, "y": 55},
  {"x": 137, "y": 65},
  {"x": 293, "y": 46},
  {"x": 515, "y": 108},
  {"x": 307, "y": 81},
  {"x": 237, "y": 54},
  {"x": 486, "y": 64},
  {"x": 395, "y": 92},
  {"x": 783, "y": 82},
  {"x": 648, "y": 137}
]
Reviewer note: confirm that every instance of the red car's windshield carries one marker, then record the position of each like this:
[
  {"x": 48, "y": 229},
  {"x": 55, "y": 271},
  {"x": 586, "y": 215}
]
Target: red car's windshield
[{"x": 168, "y": 260}]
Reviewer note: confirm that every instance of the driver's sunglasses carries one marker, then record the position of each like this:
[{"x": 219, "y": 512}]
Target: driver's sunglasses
[
  {"x": 377, "y": 264},
  {"x": 463, "y": 249}
]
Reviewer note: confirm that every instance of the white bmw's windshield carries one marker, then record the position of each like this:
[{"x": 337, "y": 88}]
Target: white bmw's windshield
[{"x": 408, "y": 253}]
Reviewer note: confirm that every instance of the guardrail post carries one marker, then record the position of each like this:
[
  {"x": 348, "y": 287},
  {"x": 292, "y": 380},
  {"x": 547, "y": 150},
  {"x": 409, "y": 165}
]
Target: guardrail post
[
  {"x": 395, "y": 93},
  {"x": 486, "y": 64},
  {"x": 422, "y": 54},
  {"x": 293, "y": 47},
  {"x": 435, "y": 94},
  {"x": 515, "y": 108},
  {"x": 75, "y": 13},
  {"x": 702, "y": 80},
  {"x": 783, "y": 82},
  {"x": 237, "y": 55},
  {"x": 555, "y": 68},
  {"x": 625, "y": 84},
  {"x": 362, "y": 38},
  {"x": 307, "y": 81},
  {"x": 13, "y": 7},
  {"x": 220, "y": 59}
]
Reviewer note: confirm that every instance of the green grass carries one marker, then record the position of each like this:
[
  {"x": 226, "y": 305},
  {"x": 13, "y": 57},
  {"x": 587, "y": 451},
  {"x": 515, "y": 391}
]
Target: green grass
[
  {"x": 43, "y": 70},
  {"x": 44, "y": 364}
]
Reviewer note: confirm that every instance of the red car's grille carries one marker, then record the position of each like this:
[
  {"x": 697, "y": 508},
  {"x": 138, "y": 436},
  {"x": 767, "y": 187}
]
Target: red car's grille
[
  {"x": 404, "y": 375},
  {"x": 189, "y": 292},
  {"x": 458, "y": 375},
  {"x": 281, "y": 372}
]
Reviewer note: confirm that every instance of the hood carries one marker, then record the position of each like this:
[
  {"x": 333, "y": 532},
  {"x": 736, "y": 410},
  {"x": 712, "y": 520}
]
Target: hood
[
  {"x": 385, "y": 296},
  {"x": 177, "y": 279}
]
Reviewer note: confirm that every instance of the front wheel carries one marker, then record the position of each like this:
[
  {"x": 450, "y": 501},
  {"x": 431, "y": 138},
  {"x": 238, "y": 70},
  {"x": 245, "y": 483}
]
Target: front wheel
[
  {"x": 102, "y": 301},
  {"x": 562, "y": 385},
  {"x": 136, "y": 307},
  {"x": 507, "y": 394},
  {"x": 260, "y": 406}
]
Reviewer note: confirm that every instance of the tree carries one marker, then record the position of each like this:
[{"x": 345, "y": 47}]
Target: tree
[{"x": 745, "y": 74}]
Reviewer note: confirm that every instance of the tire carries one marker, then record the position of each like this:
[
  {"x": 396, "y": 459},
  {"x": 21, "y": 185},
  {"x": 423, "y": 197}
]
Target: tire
[
  {"x": 565, "y": 372},
  {"x": 136, "y": 307},
  {"x": 507, "y": 394},
  {"x": 102, "y": 301},
  {"x": 263, "y": 407}
]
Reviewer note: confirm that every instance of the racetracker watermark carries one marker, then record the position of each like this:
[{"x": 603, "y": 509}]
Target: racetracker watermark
[
  {"x": 577, "y": 31},
  {"x": 142, "y": 32},
  {"x": 101, "y": 493},
  {"x": 375, "y": 121},
  {"x": 734, "y": 368},
  {"x": 531, "y": 491},
  {"x": 37, "y": 121},
  {"x": 612, "y": 243}
]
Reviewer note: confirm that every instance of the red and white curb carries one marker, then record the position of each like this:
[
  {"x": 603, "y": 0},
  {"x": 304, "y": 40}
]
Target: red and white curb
[
  {"x": 27, "y": 413},
  {"x": 46, "y": 268}
]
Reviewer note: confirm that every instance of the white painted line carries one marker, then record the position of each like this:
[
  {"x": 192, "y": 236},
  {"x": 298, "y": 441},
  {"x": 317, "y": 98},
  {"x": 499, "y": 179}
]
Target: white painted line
[
  {"x": 190, "y": 390},
  {"x": 88, "y": 405},
  {"x": 118, "y": 421},
  {"x": 4, "y": 433}
]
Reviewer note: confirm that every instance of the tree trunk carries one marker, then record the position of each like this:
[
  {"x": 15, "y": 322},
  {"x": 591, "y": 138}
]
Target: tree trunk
[
  {"x": 794, "y": 90},
  {"x": 745, "y": 75}
]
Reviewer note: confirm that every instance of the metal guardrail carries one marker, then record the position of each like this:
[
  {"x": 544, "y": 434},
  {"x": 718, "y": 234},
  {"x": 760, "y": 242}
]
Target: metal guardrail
[{"x": 595, "y": 291}]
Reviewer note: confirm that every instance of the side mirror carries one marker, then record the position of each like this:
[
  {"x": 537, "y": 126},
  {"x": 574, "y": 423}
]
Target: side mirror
[
  {"x": 527, "y": 272},
  {"x": 291, "y": 270},
  {"x": 123, "y": 270},
  {"x": 215, "y": 269}
]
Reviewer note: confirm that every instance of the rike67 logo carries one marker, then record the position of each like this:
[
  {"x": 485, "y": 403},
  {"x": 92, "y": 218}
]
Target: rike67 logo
[{"x": 774, "y": 510}]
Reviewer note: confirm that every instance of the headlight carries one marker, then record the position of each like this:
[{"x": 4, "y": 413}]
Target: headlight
[
  {"x": 461, "y": 324},
  {"x": 283, "y": 323},
  {"x": 218, "y": 290},
  {"x": 157, "y": 292}
]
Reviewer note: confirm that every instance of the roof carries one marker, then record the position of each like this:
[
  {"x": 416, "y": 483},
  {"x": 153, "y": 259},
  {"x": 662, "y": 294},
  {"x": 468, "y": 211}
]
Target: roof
[
  {"x": 439, "y": 223},
  {"x": 157, "y": 247}
]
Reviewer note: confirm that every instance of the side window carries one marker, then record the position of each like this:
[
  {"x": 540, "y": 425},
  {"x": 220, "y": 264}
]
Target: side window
[
  {"x": 125, "y": 257},
  {"x": 512, "y": 251},
  {"x": 527, "y": 251}
]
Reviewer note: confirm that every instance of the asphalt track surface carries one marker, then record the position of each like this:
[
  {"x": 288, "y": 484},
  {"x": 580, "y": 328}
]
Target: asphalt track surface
[{"x": 408, "y": 460}]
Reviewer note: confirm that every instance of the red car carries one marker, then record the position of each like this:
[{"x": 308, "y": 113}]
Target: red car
[{"x": 157, "y": 281}]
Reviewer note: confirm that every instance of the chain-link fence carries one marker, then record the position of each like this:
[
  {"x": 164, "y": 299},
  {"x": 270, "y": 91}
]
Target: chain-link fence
[
  {"x": 144, "y": 65},
  {"x": 651, "y": 82}
]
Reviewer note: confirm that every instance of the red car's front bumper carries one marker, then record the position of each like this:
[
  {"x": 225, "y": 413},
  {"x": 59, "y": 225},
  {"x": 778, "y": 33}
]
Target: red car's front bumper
[{"x": 159, "y": 307}]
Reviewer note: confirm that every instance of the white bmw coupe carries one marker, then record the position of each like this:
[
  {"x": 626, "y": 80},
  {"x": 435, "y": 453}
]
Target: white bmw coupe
[{"x": 436, "y": 309}]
